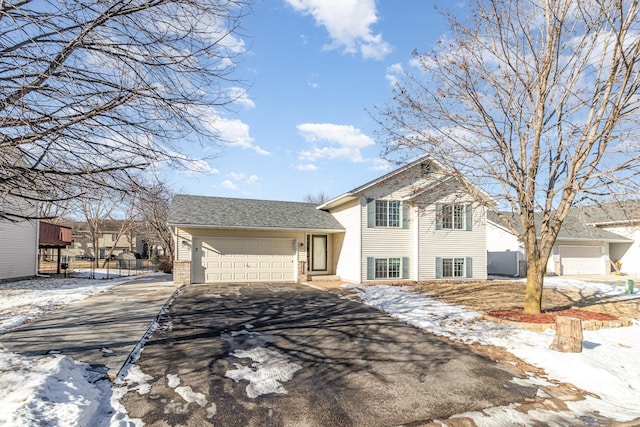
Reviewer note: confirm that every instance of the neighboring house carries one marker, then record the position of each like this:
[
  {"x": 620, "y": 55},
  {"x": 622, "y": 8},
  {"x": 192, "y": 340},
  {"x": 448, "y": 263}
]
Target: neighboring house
[
  {"x": 110, "y": 240},
  {"x": 583, "y": 246},
  {"x": 19, "y": 244},
  {"x": 411, "y": 224},
  {"x": 51, "y": 240}
]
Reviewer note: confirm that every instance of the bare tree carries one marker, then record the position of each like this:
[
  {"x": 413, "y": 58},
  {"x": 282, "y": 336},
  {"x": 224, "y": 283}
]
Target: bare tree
[
  {"x": 534, "y": 100},
  {"x": 100, "y": 213},
  {"x": 91, "y": 90},
  {"x": 153, "y": 203},
  {"x": 318, "y": 198}
]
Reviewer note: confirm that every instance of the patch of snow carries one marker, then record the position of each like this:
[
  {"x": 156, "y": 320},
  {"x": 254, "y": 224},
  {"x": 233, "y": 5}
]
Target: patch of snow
[
  {"x": 212, "y": 410},
  {"x": 190, "y": 396},
  {"x": 187, "y": 394},
  {"x": 54, "y": 390},
  {"x": 269, "y": 368},
  {"x": 173, "y": 381}
]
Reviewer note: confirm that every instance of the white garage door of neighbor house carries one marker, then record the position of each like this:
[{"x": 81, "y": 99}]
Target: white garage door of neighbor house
[
  {"x": 244, "y": 260},
  {"x": 581, "y": 259}
]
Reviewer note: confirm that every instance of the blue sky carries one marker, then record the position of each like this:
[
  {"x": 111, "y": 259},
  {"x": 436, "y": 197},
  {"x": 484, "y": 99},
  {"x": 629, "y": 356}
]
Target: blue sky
[{"x": 313, "y": 69}]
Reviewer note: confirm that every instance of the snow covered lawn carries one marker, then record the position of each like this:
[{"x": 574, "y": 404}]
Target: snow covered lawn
[{"x": 55, "y": 389}]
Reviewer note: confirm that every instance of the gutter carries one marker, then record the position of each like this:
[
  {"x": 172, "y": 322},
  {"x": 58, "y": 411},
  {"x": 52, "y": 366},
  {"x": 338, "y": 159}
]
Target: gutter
[{"x": 199, "y": 226}]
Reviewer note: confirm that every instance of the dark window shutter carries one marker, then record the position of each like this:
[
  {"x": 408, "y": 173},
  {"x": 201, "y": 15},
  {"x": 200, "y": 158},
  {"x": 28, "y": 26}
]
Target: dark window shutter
[
  {"x": 405, "y": 215},
  {"x": 469, "y": 217},
  {"x": 438, "y": 216},
  {"x": 370, "y": 268},
  {"x": 371, "y": 213},
  {"x": 405, "y": 267},
  {"x": 468, "y": 262},
  {"x": 438, "y": 268}
]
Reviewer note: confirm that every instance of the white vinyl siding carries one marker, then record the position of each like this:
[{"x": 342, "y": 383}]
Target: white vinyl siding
[
  {"x": 347, "y": 246},
  {"x": 469, "y": 243},
  {"x": 19, "y": 249},
  {"x": 383, "y": 242}
]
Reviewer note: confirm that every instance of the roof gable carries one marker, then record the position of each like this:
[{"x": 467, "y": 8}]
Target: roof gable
[
  {"x": 223, "y": 212},
  {"x": 424, "y": 175}
]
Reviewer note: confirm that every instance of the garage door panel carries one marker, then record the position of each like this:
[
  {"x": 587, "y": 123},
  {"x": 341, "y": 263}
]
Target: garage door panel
[
  {"x": 247, "y": 260},
  {"x": 581, "y": 259}
]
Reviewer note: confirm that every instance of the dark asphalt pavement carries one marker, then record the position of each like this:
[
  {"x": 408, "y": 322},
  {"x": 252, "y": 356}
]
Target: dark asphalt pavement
[{"x": 354, "y": 366}]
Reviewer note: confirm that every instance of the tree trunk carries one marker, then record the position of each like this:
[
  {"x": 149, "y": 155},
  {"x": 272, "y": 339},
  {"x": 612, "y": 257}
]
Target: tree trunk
[
  {"x": 568, "y": 338},
  {"x": 533, "y": 288},
  {"x": 536, "y": 269}
]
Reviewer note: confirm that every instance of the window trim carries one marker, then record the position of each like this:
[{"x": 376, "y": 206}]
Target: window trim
[
  {"x": 396, "y": 214},
  {"x": 464, "y": 266},
  {"x": 454, "y": 217},
  {"x": 397, "y": 261},
  {"x": 388, "y": 214},
  {"x": 401, "y": 263}
]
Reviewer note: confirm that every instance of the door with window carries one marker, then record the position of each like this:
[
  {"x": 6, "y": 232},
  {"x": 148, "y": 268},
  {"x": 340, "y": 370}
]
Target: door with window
[{"x": 318, "y": 252}]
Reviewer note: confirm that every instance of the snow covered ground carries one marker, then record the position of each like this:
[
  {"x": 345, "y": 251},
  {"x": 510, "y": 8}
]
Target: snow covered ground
[{"x": 56, "y": 390}]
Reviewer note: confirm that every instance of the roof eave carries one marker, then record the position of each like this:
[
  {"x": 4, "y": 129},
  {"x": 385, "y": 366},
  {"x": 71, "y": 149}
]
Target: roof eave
[
  {"x": 219, "y": 227},
  {"x": 340, "y": 200}
]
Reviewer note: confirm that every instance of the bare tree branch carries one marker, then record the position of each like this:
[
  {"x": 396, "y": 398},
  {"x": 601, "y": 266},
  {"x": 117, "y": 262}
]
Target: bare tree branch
[
  {"x": 537, "y": 102},
  {"x": 92, "y": 89}
]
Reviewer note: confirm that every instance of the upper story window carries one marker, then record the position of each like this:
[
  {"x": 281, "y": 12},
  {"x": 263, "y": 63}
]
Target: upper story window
[
  {"x": 387, "y": 213},
  {"x": 453, "y": 217}
]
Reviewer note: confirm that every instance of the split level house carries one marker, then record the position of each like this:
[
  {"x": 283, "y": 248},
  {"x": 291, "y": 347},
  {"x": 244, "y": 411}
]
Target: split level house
[{"x": 414, "y": 223}]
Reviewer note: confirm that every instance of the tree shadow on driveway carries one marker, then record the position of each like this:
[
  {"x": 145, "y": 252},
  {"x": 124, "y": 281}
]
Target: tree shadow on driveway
[{"x": 357, "y": 366}]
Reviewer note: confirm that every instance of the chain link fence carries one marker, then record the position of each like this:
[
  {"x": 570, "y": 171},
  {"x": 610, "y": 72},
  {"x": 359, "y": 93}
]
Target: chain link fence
[{"x": 88, "y": 267}]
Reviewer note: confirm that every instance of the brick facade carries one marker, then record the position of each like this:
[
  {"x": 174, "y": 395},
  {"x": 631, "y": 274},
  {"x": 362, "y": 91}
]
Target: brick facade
[
  {"x": 182, "y": 272},
  {"x": 302, "y": 271}
]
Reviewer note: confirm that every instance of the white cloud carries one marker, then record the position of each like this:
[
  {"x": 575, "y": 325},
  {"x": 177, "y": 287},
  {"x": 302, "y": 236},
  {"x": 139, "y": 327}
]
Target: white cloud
[
  {"x": 307, "y": 167},
  {"x": 348, "y": 23},
  {"x": 235, "y": 179},
  {"x": 235, "y": 133},
  {"x": 344, "y": 141},
  {"x": 240, "y": 96},
  {"x": 227, "y": 183},
  {"x": 394, "y": 72}
]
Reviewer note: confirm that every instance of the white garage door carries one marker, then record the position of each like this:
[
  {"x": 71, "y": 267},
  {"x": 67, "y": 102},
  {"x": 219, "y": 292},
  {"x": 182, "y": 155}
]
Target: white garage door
[
  {"x": 244, "y": 260},
  {"x": 581, "y": 259}
]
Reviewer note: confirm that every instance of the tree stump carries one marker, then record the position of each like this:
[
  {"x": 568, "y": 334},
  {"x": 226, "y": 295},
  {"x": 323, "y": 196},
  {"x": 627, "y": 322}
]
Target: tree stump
[{"x": 568, "y": 338}]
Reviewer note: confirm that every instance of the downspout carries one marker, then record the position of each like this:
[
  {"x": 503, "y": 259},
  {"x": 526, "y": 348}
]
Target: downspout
[
  {"x": 416, "y": 243},
  {"x": 37, "y": 224}
]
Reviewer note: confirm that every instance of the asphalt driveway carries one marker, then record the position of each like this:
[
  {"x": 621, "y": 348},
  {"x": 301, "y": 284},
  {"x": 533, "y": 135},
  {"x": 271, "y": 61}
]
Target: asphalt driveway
[{"x": 285, "y": 355}]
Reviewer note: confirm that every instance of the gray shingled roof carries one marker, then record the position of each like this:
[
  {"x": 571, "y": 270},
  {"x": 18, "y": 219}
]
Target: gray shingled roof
[
  {"x": 575, "y": 227},
  {"x": 222, "y": 212}
]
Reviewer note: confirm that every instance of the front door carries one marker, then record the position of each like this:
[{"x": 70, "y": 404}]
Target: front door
[{"x": 318, "y": 252}]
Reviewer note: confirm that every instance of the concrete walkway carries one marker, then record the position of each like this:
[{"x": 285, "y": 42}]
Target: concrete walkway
[{"x": 101, "y": 330}]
